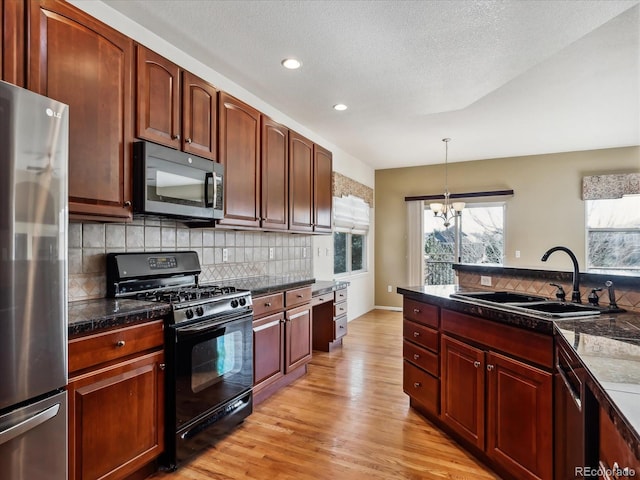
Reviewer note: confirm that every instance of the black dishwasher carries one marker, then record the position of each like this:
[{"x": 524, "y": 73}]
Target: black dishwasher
[{"x": 576, "y": 416}]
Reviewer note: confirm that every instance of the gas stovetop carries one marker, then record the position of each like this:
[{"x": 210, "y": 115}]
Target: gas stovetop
[{"x": 172, "y": 277}]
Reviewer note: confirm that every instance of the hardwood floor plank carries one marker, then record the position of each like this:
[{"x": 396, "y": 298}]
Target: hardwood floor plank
[{"x": 348, "y": 418}]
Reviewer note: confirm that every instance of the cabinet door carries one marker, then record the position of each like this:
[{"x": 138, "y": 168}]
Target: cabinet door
[
  {"x": 274, "y": 175},
  {"x": 79, "y": 61},
  {"x": 462, "y": 389},
  {"x": 322, "y": 189},
  {"x": 239, "y": 152},
  {"x": 199, "y": 116},
  {"x": 158, "y": 117},
  {"x": 116, "y": 418},
  {"x": 300, "y": 183},
  {"x": 519, "y": 417},
  {"x": 298, "y": 332},
  {"x": 12, "y": 40},
  {"x": 268, "y": 350}
]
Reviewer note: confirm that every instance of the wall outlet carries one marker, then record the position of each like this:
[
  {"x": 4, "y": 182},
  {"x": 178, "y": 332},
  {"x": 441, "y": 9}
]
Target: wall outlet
[
  {"x": 225, "y": 255},
  {"x": 271, "y": 253},
  {"x": 389, "y": 288},
  {"x": 485, "y": 280},
  {"x": 517, "y": 253}
]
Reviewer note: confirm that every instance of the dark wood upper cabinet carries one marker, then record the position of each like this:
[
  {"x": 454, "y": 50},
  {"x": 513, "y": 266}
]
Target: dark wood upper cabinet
[
  {"x": 79, "y": 61},
  {"x": 199, "y": 116},
  {"x": 12, "y": 41},
  {"x": 239, "y": 152},
  {"x": 174, "y": 107},
  {"x": 300, "y": 183},
  {"x": 274, "y": 175},
  {"x": 158, "y": 117},
  {"x": 322, "y": 189}
]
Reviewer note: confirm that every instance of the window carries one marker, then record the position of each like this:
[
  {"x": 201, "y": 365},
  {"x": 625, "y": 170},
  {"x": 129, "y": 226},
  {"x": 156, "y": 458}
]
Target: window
[
  {"x": 482, "y": 241},
  {"x": 349, "y": 252},
  {"x": 613, "y": 234}
]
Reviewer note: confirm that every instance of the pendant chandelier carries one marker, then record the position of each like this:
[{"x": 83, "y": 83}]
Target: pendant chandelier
[{"x": 447, "y": 210}]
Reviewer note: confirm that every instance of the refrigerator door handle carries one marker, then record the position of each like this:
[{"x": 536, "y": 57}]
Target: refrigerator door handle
[{"x": 29, "y": 424}]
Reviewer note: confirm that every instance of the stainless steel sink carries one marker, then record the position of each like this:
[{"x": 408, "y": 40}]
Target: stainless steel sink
[
  {"x": 499, "y": 297},
  {"x": 531, "y": 304}
]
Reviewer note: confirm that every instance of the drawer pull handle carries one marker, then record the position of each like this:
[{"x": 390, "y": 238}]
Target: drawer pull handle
[
  {"x": 416, "y": 310},
  {"x": 476, "y": 364},
  {"x": 489, "y": 367},
  {"x": 300, "y": 295},
  {"x": 416, "y": 334},
  {"x": 120, "y": 343},
  {"x": 416, "y": 356},
  {"x": 342, "y": 326},
  {"x": 162, "y": 366},
  {"x": 268, "y": 304},
  {"x": 417, "y": 385}
]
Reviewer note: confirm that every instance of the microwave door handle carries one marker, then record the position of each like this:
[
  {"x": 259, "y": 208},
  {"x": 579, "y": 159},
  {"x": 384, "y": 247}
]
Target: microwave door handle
[{"x": 207, "y": 203}]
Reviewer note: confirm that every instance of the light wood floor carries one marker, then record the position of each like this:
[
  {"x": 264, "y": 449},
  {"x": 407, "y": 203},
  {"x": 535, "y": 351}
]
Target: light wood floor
[{"x": 346, "y": 419}]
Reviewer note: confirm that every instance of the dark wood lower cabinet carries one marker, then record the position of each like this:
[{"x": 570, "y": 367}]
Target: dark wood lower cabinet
[
  {"x": 116, "y": 418},
  {"x": 298, "y": 331},
  {"x": 268, "y": 345}
]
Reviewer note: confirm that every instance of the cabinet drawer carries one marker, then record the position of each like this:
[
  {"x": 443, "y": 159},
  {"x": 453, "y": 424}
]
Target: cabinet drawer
[
  {"x": 340, "y": 295},
  {"x": 320, "y": 299},
  {"x": 297, "y": 296},
  {"x": 339, "y": 309},
  {"x": 422, "y": 387},
  {"x": 421, "y": 312},
  {"x": 95, "y": 349},
  {"x": 267, "y": 304},
  {"x": 423, "y": 336},
  {"x": 421, "y": 357},
  {"x": 339, "y": 327}
]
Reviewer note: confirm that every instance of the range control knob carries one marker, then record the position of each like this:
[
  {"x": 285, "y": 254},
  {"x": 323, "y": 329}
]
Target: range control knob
[
  {"x": 234, "y": 303},
  {"x": 199, "y": 311},
  {"x": 189, "y": 314},
  {"x": 243, "y": 301}
]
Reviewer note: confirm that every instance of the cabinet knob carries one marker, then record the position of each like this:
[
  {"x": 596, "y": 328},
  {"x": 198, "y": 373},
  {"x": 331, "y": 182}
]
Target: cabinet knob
[
  {"x": 162, "y": 366},
  {"x": 267, "y": 304},
  {"x": 342, "y": 326},
  {"x": 416, "y": 356},
  {"x": 127, "y": 203},
  {"x": 417, "y": 385},
  {"x": 188, "y": 140},
  {"x": 416, "y": 334},
  {"x": 120, "y": 343},
  {"x": 300, "y": 295},
  {"x": 416, "y": 310},
  {"x": 476, "y": 364},
  {"x": 175, "y": 137},
  {"x": 489, "y": 367}
]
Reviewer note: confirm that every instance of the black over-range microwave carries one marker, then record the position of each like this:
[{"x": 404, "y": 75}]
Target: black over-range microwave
[{"x": 168, "y": 182}]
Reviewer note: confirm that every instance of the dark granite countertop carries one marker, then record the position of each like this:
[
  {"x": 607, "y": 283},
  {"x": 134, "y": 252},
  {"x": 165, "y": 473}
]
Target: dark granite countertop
[
  {"x": 607, "y": 344},
  {"x": 91, "y": 316},
  {"x": 322, "y": 287}
]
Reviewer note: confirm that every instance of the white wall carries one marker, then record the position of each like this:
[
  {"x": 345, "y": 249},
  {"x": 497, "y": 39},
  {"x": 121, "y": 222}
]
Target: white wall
[{"x": 361, "y": 290}]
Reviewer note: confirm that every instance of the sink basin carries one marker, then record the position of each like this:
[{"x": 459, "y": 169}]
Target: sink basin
[
  {"x": 499, "y": 297},
  {"x": 532, "y": 304},
  {"x": 560, "y": 309}
]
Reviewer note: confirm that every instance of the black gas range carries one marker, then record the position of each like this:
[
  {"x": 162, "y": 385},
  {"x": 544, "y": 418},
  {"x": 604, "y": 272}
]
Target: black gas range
[{"x": 208, "y": 346}]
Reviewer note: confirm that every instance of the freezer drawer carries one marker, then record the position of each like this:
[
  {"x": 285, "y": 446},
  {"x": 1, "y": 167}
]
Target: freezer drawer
[{"x": 33, "y": 440}]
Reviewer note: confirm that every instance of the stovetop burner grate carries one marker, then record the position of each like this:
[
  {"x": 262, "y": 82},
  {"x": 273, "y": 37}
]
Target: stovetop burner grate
[{"x": 186, "y": 294}]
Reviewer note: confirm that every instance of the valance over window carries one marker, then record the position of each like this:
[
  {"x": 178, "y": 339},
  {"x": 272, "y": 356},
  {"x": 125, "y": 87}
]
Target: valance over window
[{"x": 599, "y": 187}]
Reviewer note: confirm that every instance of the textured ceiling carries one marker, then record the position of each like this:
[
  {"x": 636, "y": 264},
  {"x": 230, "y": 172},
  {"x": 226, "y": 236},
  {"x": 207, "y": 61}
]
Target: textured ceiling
[{"x": 501, "y": 78}]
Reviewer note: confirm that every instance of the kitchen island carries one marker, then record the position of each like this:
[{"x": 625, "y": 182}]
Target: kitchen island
[{"x": 485, "y": 354}]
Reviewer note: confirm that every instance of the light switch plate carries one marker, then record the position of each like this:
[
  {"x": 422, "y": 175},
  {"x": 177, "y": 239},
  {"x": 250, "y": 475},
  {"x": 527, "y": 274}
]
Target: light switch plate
[{"x": 485, "y": 280}]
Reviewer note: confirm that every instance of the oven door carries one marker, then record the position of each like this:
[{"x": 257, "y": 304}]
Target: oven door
[{"x": 213, "y": 364}]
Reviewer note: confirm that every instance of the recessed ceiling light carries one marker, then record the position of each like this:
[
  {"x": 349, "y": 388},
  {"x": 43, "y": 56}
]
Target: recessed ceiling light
[
  {"x": 340, "y": 107},
  {"x": 291, "y": 63}
]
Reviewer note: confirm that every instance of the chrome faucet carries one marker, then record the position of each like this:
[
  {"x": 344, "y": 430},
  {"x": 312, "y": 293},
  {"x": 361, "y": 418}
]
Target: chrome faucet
[
  {"x": 575, "y": 294},
  {"x": 612, "y": 295}
]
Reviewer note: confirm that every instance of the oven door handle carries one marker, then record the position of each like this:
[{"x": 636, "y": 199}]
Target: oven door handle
[{"x": 208, "y": 324}]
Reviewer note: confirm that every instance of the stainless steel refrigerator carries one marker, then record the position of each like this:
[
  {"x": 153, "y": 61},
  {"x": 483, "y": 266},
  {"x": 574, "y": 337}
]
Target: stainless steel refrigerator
[{"x": 33, "y": 285}]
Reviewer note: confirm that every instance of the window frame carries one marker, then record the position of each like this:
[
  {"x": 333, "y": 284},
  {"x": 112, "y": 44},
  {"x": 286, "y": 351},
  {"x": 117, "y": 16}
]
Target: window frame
[{"x": 365, "y": 251}]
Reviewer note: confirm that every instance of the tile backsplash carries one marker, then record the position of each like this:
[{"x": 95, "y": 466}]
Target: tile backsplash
[{"x": 247, "y": 252}]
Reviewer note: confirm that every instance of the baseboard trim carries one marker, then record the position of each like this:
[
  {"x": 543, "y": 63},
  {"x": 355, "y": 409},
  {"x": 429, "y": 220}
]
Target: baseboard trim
[{"x": 382, "y": 307}]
